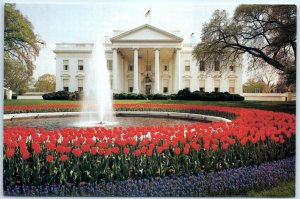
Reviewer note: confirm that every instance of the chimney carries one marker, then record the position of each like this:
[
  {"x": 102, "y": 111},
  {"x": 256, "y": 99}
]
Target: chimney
[{"x": 106, "y": 39}]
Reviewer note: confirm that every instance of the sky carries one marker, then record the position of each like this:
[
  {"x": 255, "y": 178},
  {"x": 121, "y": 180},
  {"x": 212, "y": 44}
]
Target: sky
[
  {"x": 72, "y": 21},
  {"x": 85, "y": 22}
]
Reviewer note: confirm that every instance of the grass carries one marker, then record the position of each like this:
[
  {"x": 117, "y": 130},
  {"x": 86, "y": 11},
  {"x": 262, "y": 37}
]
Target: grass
[
  {"x": 37, "y": 102},
  {"x": 283, "y": 189},
  {"x": 288, "y": 107}
]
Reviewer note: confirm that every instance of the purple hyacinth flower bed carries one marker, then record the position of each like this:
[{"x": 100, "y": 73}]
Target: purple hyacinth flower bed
[{"x": 229, "y": 182}]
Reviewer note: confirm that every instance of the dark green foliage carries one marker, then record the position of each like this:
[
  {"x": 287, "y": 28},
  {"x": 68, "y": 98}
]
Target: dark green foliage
[
  {"x": 63, "y": 95},
  {"x": 158, "y": 96},
  {"x": 185, "y": 94},
  {"x": 129, "y": 96},
  {"x": 59, "y": 95},
  {"x": 14, "y": 96}
]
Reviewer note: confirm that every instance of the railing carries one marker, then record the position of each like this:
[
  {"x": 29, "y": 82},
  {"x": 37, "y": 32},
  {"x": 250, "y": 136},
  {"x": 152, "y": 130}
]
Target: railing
[{"x": 288, "y": 96}]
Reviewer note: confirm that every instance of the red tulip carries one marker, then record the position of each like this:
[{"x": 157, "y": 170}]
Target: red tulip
[
  {"x": 94, "y": 150},
  {"x": 10, "y": 152},
  {"x": 177, "y": 150},
  {"x": 77, "y": 152},
  {"x": 50, "y": 158},
  {"x": 63, "y": 158},
  {"x": 137, "y": 152},
  {"x": 126, "y": 151}
]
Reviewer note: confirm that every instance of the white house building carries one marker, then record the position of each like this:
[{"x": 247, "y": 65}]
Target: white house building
[{"x": 145, "y": 60}]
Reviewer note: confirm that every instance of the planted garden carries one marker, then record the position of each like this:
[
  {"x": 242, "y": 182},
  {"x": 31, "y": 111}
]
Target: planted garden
[{"x": 203, "y": 159}]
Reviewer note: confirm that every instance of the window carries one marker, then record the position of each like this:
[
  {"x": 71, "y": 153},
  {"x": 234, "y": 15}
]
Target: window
[
  {"x": 165, "y": 86},
  {"x": 109, "y": 64},
  {"x": 130, "y": 85},
  {"x": 66, "y": 64},
  {"x": 202, "y": 85},
  {"x": 187, "y": 66},
  {"x": 130, "y": 67},
  {"x": 217, "y": 85},
  {"x": 202, "y": 66},
  {"x": 232, "y": 68},
  {"x": 80, "y": 64},
  {"x": 231, "y": 86},
  {"x": 80, "y": 85},
  {"x": 187, "y": 84},
  {"x": 148, "y": 67},
  {"x": 166, "y": 68},
  {"x": 66, "y": 84},
  {"x": 217, "y": 66}
]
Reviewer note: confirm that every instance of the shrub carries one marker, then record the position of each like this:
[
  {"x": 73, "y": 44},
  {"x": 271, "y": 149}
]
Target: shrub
[
  {"x": 14, "y": 96},
  {"x": 59, "y": 95},
  {"x": 185, "y": 94},
  {"x": 158, "y": 96},
  {"x": 129, "y": 96}
]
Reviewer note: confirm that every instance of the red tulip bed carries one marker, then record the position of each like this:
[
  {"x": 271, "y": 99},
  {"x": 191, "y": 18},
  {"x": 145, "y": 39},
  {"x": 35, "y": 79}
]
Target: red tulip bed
[{"x": 51, "y": 161}]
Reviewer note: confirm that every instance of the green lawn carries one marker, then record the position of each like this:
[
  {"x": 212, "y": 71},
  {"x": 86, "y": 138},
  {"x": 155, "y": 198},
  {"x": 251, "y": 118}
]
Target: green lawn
[
  {"x": 283, "y": 189},
  {"x": 37, "y": 102},
  {"x": 289, "y": 107}
]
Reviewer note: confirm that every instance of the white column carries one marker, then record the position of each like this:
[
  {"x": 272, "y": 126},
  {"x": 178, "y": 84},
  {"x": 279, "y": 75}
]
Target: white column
[
  {"x": 135, "y": 71},
  {"x": 115, "y": 70},
  {"x": 156, "y": 87},
  {"x": 178, "y": 70}
]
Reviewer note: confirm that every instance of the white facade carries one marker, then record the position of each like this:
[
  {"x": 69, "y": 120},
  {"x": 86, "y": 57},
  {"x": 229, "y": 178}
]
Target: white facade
[{"x": 145, "y": 60}]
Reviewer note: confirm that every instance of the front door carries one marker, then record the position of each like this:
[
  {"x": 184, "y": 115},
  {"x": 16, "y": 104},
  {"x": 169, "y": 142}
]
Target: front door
[{"x": 148, "y": 89}]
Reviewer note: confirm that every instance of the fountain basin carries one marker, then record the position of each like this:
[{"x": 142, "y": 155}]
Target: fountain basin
[{"x": 59, "y": 120}]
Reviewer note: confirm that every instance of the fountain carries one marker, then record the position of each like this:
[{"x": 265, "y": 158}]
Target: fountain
[{"x": 97, "y": 106}]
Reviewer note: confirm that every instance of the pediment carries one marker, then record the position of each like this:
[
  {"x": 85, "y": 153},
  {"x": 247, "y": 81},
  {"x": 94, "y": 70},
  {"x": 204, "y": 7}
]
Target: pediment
[
  {"x": 187, "y": 76},
  {"x": 232, "y": 76},
  {"x": 65, "y": 75},
  {"x": 146, "y": 33},
  {"x": 79, "y": 76}
]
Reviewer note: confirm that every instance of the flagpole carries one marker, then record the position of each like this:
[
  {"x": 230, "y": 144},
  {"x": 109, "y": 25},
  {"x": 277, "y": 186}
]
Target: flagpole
[{"x": 150, "y": 15}]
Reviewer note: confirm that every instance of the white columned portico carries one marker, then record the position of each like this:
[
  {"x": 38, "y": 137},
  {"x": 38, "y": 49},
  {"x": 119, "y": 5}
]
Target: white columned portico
[
  {"x": 135, "y": 71},
  {"x": 178, "y": 71},
  {"x": 156, "y": 87},
  {"x": 115, "y": 70}
]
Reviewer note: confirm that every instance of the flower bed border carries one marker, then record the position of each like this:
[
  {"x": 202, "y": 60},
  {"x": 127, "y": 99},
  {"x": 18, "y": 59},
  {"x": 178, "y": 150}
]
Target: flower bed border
[
  {"x": 280, "y": 130},
  {"x": 229, "y": 182}
]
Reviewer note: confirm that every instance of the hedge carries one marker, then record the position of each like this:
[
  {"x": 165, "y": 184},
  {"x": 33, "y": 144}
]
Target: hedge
[{"x": 184, "y": 94}]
